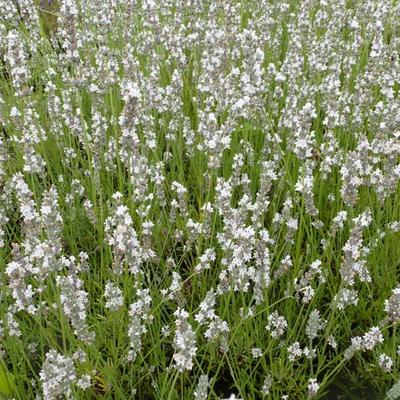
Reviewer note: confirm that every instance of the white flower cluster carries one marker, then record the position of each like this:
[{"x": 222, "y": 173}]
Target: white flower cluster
[
  {"x": 114, "y": 297},
  {"x": 394, "y": 392},
  {"x": 392, "y": 306},
  {"x": 345, "y": 297},
  {"x": 277, "y": 325},
  {"x": 385, "y": 362},
  {"x": 201, "y": 392},
  {"x": 313, "y": 387},
  {"x": 314, "y": 324},
  {"x": 295, "y": 351},
  {"x": 184, "y": 341},
  {"x": 122, "y": 237},
  {"x": 217, "y": 329},
  {"x": 75, "y": 303},
  {"x": 303, "y": 285},
  {"x": 140, "y": 315},
  {"x": 368, "y": 341},
  {"x": 354, "y": 263},
  {"x": 57, "y": 376},
  {"x": 173, "y": 292}
]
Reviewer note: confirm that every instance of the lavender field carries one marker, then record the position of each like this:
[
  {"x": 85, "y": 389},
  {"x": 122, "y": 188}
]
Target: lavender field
[{"x": 200, "y": 199}]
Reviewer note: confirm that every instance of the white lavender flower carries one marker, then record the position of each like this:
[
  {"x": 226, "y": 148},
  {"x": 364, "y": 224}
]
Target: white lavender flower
[
  {"x": 201, "y": 392},
  {"x": 394, "y": 392},
  {"x": 84, "y": 382},
  {"x": 345, "y": 297},
  {"x": 332, "y": 342},
  {"x": 79, "y": 356},
  {"x": 304, "y": 185},
  {"x": 392, "y": 306},
  {"x": 368, "y": 341},
  {"x": 354, "y": 263},
  {"x": 217, "y": 329},
  {"x": 285, "y": 265},
  {"x": 184, "y": 341},
  {"x": 114, "y": 296},
  {"x": 303, "y": 286},
  {"x": 338, "y": 221},
  {"x": 314, "y": 324},
  {"x": 13, "y": 327},
  {"x": 276, "y": 325},
  {"x": 309, "y": 352},
  {"x": 140, "y": 315},
  {"x": 57, "y": 375},
  {"x": 313, "y": 387},
  {"x": 3, "y": 220},
  {"x": 385, "y": 362},
  {"x": 173, "y": 292},
  {"x": 206, "y": 308},
  {"x": 256, "y": 352},
  {"x": 294, "y": 351},
  {"x": 75, "y": 303},
  {"x": 267, "y": 384},
  {"x": 205, "y": 260},
  {"x": 17, "y": 58},
  {"x": 123, "y": 238}
]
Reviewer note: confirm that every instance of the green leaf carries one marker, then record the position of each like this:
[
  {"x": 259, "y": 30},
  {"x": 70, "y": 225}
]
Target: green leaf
[{"x": 7, "y": 385}]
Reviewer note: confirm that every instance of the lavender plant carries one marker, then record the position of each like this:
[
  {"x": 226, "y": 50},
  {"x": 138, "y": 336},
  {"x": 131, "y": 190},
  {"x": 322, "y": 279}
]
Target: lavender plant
[{"x": 199, "y": 199}]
